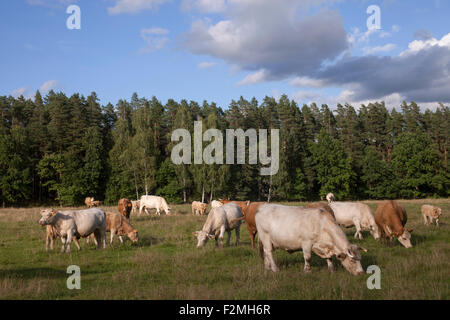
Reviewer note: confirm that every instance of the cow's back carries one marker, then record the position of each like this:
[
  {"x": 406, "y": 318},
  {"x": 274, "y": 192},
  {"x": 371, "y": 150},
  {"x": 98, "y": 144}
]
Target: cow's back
[
  {"x": 89, "y": 220},
  {"x": 232, "y": 212},
  {"x": 250, "y": 211}
]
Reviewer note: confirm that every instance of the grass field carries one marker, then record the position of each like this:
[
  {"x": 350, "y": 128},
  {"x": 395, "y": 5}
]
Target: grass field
[{"x": 166, "y": 264}]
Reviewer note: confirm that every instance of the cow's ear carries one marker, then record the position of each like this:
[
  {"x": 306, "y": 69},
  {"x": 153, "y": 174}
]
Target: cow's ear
[
  {"x": 53, "y": 212},
  {"x": 211, "y": 236},
  {"x": 410, "y": 230},
  {"x": 341, "y": 256},
  {"x": 363, "y": 249}
]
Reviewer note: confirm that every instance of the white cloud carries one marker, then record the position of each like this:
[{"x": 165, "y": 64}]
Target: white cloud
[
  {"x": 204, "y": 6},
  {"x": 48, "y": 85},
  {"x": 206, "y": 65},
  {"x": 154, "y": 38},
  {"x": 386, "y": 48},
  {"x": 51, "y": 3},
  {"x": 134, "y": 6},
  {"x": 418, "y": 45},
  {"x": 307, "y": 82},
  {"x": 23, "y": 91},
  {"x": 253, "y": 78},
  {"x": 277, "y": 36}
]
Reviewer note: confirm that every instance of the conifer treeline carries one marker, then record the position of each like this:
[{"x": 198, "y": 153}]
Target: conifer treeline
[{"x": 60, "y": 149}]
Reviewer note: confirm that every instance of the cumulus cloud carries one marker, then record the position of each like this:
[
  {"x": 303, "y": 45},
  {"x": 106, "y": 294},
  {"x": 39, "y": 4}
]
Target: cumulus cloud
[
  {"x": 206, "y": 65},
  {"x": 421, "y": 73},
  {"x": 204, "y": 6},
  {"x": 154, "y": 38},
  {"x": 385, "y": 48},
  {"x": 49, "y": 85},
  {"x": 134, "y": 6},
  {"x": 269, "y": 35}
]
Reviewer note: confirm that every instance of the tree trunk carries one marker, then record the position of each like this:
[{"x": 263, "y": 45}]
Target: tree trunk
[
  {"x": 203, "y": 193},
  {"x": 135, "y": 185}
]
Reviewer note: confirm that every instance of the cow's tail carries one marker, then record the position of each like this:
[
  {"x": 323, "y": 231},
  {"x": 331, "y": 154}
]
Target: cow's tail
[{"x": 237, "y": 219}]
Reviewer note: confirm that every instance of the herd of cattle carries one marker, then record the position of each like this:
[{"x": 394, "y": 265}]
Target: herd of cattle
[{"x": 317, "y": 227}]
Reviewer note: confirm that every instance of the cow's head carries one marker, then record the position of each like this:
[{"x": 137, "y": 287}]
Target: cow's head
[
  {"x": 351, "y": 259},
  {"x": 133, "y": 235},
  {"x": 405, "y": 238},
  {"x": 46, "y": 214},
  {"x": 375, "y": 231},
  {"x": 202, "y": 238},
  {"x": 437, "y": 212}
]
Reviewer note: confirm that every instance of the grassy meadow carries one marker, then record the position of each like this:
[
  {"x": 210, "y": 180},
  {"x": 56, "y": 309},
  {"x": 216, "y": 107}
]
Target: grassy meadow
[{"x": 165, "y": 263}]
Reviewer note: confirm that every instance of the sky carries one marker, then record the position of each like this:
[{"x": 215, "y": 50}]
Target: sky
[{"x": 322, "y": 51}]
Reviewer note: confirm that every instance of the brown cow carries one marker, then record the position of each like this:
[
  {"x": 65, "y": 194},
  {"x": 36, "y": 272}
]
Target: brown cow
[
  {"x": 50, "y": 237},
  {"x": 88, "y": 201},
  {"x": 119, "y": 225},
  {"x": 391, "y": 218},
  {"x": 241, "y": 204},
  {"x": 124, "y": 206},
  {"x": 249, "y": 213},
  {"x": 326, "y": 209}
]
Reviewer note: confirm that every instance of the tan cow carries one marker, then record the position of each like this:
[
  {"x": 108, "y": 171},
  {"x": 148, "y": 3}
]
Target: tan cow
[
  {"x": 249, "y": 216},
  {"x": 198, "y": 208},
  {"x": 88, "y": 201},
  {"x": 124, "y": 206},
  {"x": 431, "y": 212},
  {"x": 118, "y": 225},
  {"x": 391, "y": 219},
  {"x": 135, "y": 205}
]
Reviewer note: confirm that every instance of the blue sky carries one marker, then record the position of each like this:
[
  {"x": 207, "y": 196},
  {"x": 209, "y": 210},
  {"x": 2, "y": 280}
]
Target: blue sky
[{"x": 219, "y": 50}]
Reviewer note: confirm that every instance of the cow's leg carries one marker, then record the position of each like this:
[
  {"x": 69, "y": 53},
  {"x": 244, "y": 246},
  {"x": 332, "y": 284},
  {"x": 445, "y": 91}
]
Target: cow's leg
[
  {"x": 358, "y": 229},
  {"x": 437, "y": 222},
  {"x": 112, "y": 236},
  {"x": 52, "y": 242},
  {"x": 103, "y": 236},
  {"x": 47, "y": 240},
  {"x": 330, "y": 265},
  {"x": 238, "y": 235},
  {"x": 425, "y": 219},
  {"x": 269, "y": 262},
  {"x": 97, "y": 238},
  {"x": 63, "y": 247},
  {"x": 221, "y": 234},
  {"x": 75, "y": 240},
  {"x": 228, "y": 238},
  {"x": 69, "y": 241},
  {"x": 121, "y": 240},
  {"x": 306, "y": 247}
]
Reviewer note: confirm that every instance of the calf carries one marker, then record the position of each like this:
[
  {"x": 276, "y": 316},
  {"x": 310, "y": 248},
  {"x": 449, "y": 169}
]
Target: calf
[
  {"x": 124, "y": 206},
  {"x": 330, "y": 197},
  {"x": 88, "y": 201},
  {"x": 391, "y": 219},
  {"x": 306, "y": 229},
  {"x": 356, "y": 214},
  {"x": 50, "y": 237},
  {"x": 431, "y": 212},
  {"x": 118, "y": 225},
  {"x": 219, "y": 220},
  {"x": 198, "y": 208}
]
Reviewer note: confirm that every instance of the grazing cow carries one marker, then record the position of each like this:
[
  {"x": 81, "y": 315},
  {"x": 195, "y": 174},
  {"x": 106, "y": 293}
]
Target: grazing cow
[
  {"x": 431, "y": 212},
  {"x": 356, "y": 214},
  {"x": 216, "y": 203},
  {"x": 50, "y": 237},
  {"x": 330, "y": 197},
  {"x": 249, "y": 216},
  {"x": 153, "y": 202},
  {"x": 198, "y": 208},
  {"x": 327, "y": 209},
  {"x": 73, "y": 224},
  {"x": 219, "y": 220},
  {"x": 135, "y": 205},
  {"x": 118, "y": 225},
  {"x": 95, "y": 203},
  {"x": 88, "y": 201},
  {"x": 391, "y": 219},
  {"x": 124, "y": 206},
  {"x": 241, "y": 204},
  {"x": 296, "y": 228}
]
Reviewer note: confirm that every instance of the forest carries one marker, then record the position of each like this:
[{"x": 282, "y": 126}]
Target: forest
[{"x": 57, "y": 150}]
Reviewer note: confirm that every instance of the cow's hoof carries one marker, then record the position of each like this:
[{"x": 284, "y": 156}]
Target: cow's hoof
[{"x": 307, "y": 270}]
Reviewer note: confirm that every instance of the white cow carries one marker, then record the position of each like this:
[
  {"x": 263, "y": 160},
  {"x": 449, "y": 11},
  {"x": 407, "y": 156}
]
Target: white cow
[
  {"x": 216, "y": 204},
  {"x": 73, "y": 224},
  {"x": 307, "y": 229},
  {"x": 219, "y": 220},
  {"x": 153, "y": 202},
  {"x": 135, "y": 206},
  {"x": 356, "y": 214}
]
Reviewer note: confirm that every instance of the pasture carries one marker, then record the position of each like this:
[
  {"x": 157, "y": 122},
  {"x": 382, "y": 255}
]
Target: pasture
[{"x": 165, "y": 263}]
